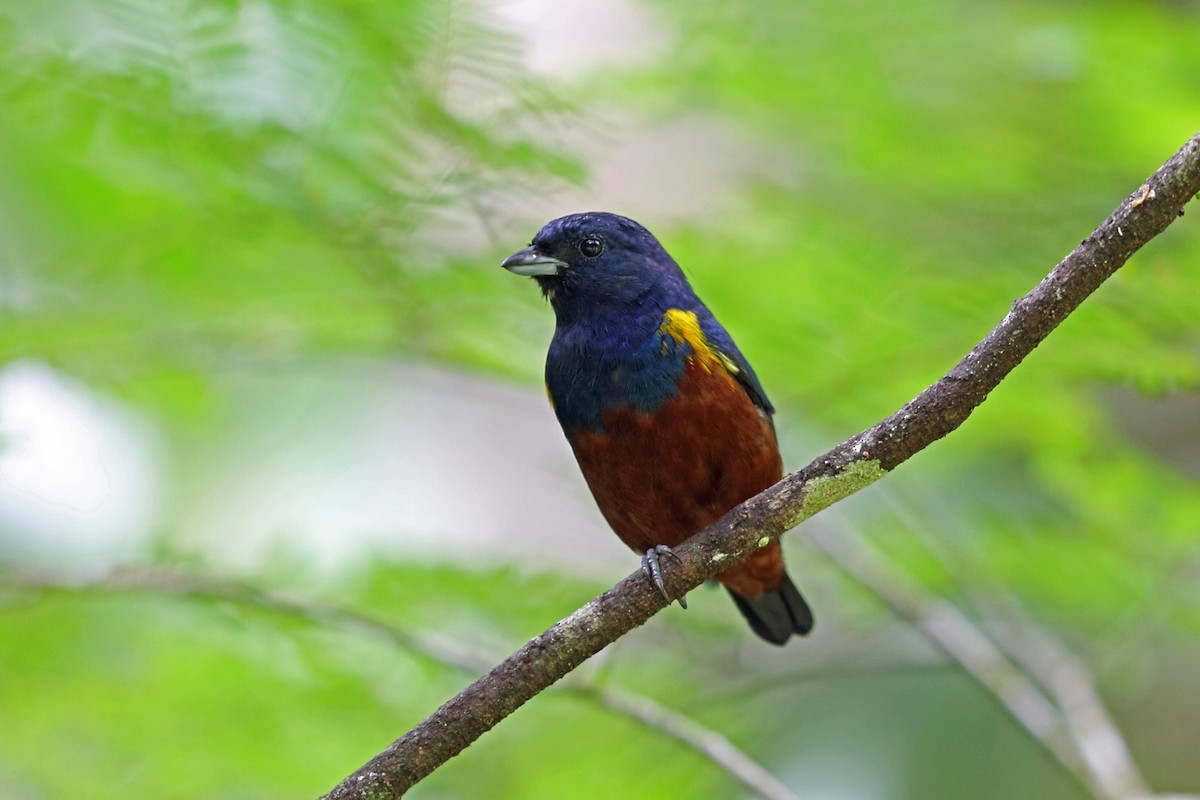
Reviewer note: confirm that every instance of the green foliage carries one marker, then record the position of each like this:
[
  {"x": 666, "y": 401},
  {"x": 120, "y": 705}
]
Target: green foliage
[
  {"x": 194, "y": 184},
  {"x": 188, "y": 696},
  {"x": 193, "y": 190}
]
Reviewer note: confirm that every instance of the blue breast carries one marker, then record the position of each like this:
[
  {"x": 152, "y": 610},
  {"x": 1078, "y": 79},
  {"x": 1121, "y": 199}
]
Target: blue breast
[{"x": 599, "y": 363}]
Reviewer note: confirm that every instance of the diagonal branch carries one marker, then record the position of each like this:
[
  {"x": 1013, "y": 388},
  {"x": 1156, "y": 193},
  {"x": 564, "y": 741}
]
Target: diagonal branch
[{"x": 852, "y": 465}]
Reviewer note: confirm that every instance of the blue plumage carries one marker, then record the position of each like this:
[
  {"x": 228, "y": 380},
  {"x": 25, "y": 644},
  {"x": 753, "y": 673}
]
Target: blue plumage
[
  {"x": 667, "y": 420},
  {"x": 606, "y": 349}
]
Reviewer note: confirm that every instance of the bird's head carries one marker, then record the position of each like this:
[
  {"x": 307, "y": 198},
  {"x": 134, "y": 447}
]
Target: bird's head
[{"x": 599, "y": 260}]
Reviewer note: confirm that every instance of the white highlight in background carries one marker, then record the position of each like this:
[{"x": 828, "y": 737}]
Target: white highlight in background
[{"x": 78, "y": 473}]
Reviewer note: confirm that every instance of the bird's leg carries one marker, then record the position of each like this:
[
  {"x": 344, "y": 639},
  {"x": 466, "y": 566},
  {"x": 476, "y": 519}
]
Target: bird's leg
[{"x": 653, "y": 570}]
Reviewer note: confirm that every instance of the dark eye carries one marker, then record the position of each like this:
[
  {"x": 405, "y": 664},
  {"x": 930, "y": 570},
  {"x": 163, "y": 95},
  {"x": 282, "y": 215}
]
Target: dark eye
[{"x": 591, "y": 247}]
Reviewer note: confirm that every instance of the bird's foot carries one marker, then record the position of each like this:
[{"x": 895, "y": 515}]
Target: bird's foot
[{"x": 653, "y": 569}]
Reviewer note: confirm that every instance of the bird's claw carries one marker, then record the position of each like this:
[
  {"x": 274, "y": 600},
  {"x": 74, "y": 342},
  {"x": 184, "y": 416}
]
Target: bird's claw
[{"x": 653, "y": 570}]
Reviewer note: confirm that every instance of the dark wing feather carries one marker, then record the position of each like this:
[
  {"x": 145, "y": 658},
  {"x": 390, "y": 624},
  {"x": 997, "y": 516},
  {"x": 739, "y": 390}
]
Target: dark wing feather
[{"x": 735, "y": 363}]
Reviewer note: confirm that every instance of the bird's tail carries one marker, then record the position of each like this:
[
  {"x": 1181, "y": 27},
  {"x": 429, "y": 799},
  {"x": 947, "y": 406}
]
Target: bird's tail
[{"x": 778, "y": 613}]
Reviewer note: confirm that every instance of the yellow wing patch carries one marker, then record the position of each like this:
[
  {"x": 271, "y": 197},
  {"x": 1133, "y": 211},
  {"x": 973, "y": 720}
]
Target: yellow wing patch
[{"x": 684, "y": 328}]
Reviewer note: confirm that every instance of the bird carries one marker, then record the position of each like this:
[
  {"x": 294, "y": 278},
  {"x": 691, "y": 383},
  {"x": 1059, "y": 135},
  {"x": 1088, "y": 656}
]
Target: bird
[{"x": 667, "y": 420}]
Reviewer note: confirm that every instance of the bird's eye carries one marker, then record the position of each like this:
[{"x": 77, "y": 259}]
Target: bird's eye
[{"x": 591, "y": 247}]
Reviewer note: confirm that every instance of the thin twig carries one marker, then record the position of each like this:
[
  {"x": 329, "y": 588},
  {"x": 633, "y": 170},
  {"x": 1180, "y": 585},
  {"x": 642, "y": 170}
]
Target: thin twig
[
  {"x": 708, "y": 743},
  {"x": 716, "y": 747},
  {"x": 1103, "y": 761},
  {"x": 951, "y": 632},
  {"x": 1072, "y": 723},
  {"x": 1101, "y": 745}
]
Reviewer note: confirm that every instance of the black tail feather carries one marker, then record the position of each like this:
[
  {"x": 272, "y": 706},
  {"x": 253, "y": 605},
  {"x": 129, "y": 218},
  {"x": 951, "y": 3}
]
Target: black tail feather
[{"x": 776, "y": 615}]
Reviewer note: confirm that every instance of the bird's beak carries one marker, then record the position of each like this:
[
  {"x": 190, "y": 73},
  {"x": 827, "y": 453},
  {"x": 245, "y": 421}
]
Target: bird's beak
[{"x": 532, "y": 263}]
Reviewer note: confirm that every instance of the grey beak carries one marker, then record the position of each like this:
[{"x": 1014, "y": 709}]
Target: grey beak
[{"x": 532, "y": 263}]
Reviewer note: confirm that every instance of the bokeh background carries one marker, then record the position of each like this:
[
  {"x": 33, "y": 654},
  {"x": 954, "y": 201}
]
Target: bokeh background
[{"x": 260, "y": 373}]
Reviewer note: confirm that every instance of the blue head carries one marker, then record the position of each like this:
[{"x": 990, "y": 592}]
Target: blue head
[
  {"x": 611, "y": 283},
  {"x": 602, "y": 265}
]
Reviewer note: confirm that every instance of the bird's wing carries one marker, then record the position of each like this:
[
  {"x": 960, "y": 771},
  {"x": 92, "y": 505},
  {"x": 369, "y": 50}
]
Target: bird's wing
[
  {"x": 735, "y": 363},
  {"x": 700, "y": 331}
]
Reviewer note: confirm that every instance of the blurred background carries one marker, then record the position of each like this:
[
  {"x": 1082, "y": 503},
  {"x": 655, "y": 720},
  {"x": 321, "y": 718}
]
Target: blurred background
[{"x": 263, "y": 386}]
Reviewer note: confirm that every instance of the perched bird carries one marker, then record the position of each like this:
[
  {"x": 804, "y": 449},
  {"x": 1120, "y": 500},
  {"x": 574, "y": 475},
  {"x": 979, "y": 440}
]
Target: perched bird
[{"x": 667, "y": 420}]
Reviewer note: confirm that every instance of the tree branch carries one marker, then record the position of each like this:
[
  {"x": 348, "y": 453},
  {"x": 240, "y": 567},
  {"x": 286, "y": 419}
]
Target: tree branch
[{"x": 850, "y": 466}]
